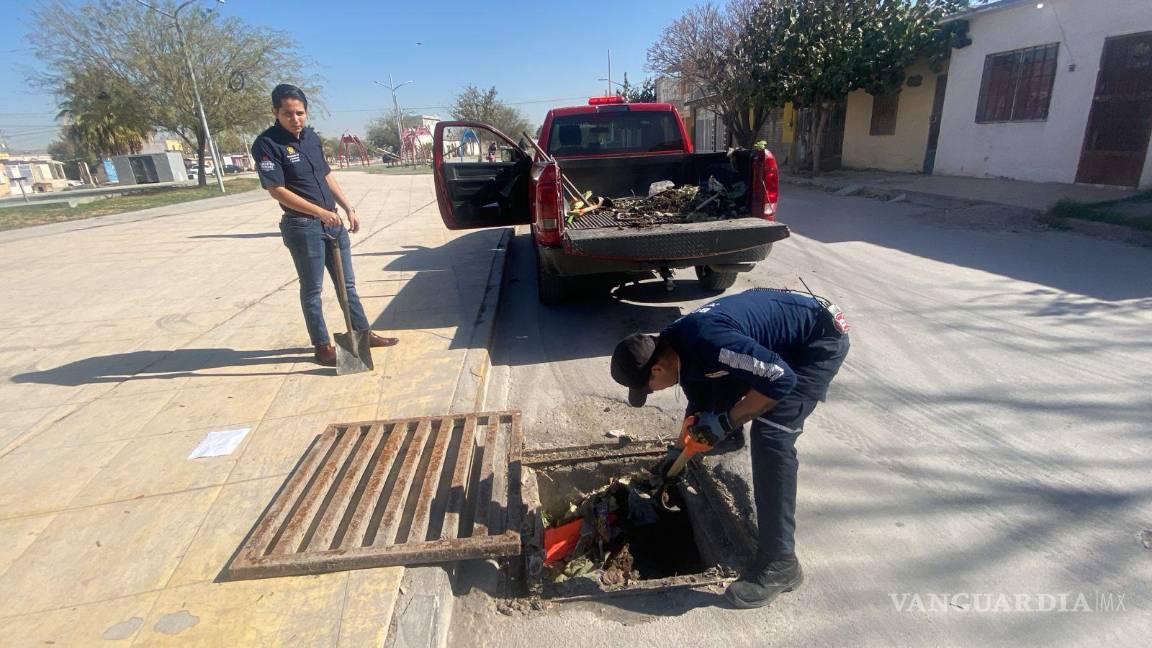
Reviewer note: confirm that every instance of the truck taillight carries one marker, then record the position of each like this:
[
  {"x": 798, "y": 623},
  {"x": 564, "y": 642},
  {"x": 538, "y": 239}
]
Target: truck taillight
[
  {"x": 548, "y": 206},
  {"x": 766, "y": 177},
  {"x": 771, "y": 185}
]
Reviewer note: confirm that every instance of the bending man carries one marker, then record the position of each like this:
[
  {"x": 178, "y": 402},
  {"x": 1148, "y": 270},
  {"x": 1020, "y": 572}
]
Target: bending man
[{"x": 764, "y": 357}]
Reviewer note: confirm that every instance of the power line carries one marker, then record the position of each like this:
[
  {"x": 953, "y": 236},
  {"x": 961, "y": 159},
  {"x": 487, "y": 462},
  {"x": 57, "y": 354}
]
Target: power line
[{"x": 509, "y": 103}]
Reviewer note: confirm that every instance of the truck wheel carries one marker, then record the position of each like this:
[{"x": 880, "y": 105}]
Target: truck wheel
[
  {"x": 715, "y": 281},
  {"x": 550, "y": 287}
]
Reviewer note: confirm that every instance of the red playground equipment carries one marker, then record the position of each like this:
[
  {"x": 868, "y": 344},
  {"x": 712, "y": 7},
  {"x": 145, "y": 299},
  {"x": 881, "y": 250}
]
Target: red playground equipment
[
  {"x": 343, "y": 158},
  {"x": 417, "y": 145}
]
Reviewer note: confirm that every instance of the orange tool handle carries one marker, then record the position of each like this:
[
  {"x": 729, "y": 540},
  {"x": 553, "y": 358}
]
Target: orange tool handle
[
  {"x": 692, "y": 446},
  {"x": 690, "y": 443}
]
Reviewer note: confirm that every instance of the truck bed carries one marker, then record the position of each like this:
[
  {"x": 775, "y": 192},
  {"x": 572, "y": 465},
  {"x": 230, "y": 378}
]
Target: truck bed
[{"x": 629, "y": 176}]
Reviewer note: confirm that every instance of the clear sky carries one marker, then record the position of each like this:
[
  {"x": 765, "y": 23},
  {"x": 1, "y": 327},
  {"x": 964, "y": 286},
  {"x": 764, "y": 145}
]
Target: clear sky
[{"x": 538, "y": 54}]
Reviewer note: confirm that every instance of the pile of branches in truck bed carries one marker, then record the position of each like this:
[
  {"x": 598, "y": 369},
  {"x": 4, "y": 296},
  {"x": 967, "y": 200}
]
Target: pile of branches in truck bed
[{"x": 667, "y": 203}]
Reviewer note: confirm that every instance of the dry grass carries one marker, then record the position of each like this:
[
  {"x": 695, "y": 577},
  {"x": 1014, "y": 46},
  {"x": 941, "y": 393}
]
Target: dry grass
[{"x": 33, "y": 214}]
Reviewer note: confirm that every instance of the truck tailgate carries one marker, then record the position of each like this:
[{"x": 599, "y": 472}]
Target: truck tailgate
[{"x": 674, "y": 240}]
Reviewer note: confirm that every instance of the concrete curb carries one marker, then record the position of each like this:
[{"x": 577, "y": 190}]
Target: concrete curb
[
  {"x": 477, "y": 362},
  {"x": 1106, "y": 231},
  {"x": 423, "y": 610},
  {"x": 880, "y": 192}
]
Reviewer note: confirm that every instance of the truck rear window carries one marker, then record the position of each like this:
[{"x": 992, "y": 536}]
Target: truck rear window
[{"x": 615, "y": 132}]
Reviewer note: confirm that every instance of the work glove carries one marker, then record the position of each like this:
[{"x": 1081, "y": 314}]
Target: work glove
[{"x": 712, "y": 427}]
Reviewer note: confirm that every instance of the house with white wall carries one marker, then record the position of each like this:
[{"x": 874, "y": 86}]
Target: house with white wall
[
  {"x": 33, "y": 174},
  {"x": 1051, "y": 91}
]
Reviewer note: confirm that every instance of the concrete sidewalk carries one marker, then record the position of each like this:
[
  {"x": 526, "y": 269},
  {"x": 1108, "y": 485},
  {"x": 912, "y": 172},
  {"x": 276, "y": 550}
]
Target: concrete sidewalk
[
  {"x": 127, "y": 342},
  {"x": 950, "y": 191}
]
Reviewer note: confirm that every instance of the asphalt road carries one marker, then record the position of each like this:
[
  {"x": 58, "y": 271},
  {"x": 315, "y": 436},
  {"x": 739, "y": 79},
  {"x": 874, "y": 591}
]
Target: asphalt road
[{"x": 988, "y": 440}]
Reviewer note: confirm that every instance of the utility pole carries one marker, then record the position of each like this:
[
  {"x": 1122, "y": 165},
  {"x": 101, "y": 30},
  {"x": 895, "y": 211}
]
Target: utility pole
[
  {"x": 609, "y": 92},
  {"x": 216, "y": 161},
  {"x": 396, "y": 109}
]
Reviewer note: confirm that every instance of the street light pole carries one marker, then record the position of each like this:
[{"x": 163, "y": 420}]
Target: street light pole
[
  {"x": 216, "y": 161},
  {"x": 396, "y": 108}
]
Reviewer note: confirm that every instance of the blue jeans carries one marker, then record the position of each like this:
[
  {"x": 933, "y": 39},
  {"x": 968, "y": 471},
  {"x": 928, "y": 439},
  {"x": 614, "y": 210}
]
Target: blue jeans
[
  {"x": 775, "y": 466},
  {"x": 312, "y": 252}
]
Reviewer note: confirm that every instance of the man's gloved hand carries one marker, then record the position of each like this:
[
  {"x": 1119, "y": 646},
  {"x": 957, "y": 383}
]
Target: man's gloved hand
[{"x": 712, "y": 427}]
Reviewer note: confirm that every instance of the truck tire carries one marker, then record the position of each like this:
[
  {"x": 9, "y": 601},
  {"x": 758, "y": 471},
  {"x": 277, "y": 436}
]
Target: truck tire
[
  {"x": 551, "y": 288},
  {"x": 715, "y": 281}
]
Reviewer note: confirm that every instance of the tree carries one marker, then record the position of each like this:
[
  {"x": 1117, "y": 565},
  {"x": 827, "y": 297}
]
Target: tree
[
  {"x": 236, "y": 64},
  {"x": 754, "y": 55},
  {"x": 234, "y": 140},
  {"x": 475, "y": 105},
  {"x": 102, "y": 117},
  {"x": 825, "y": 49},
  {"x": 65, "y": 149},
  {"x": 331, "y": 146},
  {"x": 643, "y": 93},
  {"x": 382, "y": 130},
  {"x": 715, "y": 51}
]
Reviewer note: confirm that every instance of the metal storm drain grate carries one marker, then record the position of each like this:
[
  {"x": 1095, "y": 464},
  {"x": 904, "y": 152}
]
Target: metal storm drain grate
[{"x": 395, "y": 492}]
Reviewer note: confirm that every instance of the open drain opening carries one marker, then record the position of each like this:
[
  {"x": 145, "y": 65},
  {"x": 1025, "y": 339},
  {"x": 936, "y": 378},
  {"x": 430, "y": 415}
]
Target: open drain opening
[{"x": 617, "y": 541}]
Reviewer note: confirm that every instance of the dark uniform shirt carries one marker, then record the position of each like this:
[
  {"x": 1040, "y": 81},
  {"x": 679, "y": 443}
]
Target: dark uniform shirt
[
  {"x": 283, "y": 160},
  {"x": 759, "y": 339}
]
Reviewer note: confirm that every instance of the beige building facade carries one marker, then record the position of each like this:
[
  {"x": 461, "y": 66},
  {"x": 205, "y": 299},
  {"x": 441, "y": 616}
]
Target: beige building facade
[{"x": 891, "y": 132}]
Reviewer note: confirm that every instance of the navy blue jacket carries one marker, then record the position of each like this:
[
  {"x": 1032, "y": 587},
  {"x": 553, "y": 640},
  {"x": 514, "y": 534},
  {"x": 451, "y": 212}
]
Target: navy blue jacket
[
  {"x": 283, "y": 160},
  {"x": 752, "y": 340}
]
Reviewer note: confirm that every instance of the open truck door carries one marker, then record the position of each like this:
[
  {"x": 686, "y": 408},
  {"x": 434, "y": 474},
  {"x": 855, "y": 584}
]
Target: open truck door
[{"x": 481, "y": 175}]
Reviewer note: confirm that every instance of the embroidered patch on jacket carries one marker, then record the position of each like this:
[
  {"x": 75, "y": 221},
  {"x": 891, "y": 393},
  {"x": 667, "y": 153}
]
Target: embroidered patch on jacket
[
  {"x": 267, "y": 165},
  {"x": 752, "y": 365},
  {"x": 716, "y": 374}
]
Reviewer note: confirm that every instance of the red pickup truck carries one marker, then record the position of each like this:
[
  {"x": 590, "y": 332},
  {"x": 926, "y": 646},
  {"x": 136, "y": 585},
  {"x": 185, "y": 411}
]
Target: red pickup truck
[{"x": 614, "y": 149}]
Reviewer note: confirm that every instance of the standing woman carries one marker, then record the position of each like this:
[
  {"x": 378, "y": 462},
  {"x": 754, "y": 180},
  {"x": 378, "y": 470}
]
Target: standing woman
[{"x": 290, "y": 160}]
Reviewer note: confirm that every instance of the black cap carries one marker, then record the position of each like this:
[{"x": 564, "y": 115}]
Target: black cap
[{"x": 631, "y": 363}]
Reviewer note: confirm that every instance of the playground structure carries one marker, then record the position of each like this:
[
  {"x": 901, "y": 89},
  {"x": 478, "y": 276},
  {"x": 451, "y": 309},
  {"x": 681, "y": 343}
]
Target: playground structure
[
  {"x": 343, "y": 157},
  {"x": 462, "y": 144},
  {"x": 416, "y": 147}
]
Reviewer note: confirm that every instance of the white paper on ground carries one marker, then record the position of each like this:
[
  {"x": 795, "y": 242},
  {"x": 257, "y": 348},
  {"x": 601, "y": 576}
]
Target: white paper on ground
[{"x": 218, "y": 444}]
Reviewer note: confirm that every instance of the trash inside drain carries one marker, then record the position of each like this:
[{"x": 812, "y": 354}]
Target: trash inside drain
[{"x": 593, "y": 529}]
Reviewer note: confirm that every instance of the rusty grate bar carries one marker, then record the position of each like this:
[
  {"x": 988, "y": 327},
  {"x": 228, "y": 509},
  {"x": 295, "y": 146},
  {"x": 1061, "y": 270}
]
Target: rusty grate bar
[{"x": 393, "y": 492}]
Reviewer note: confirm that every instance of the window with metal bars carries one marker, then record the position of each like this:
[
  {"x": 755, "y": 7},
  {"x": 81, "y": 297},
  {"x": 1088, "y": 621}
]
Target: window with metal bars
[
  {"x": 1017, "y": 85},
  {"x": 884, "y": 113}
]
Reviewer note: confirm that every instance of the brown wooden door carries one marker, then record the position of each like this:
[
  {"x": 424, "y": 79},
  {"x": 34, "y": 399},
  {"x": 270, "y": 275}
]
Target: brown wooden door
[
  {"x": 934, "y": 123},
  {"x": 1116, "y": 140}
]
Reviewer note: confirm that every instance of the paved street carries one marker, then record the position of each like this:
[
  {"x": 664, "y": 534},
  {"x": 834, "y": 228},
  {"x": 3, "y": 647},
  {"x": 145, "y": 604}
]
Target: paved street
[{"x": 989, "y": 434}]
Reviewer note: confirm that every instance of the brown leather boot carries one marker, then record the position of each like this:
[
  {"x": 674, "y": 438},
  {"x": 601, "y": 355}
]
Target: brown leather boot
[
  {"x": 326, "y": 355},
  {"x": 375, "y": 341}
]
